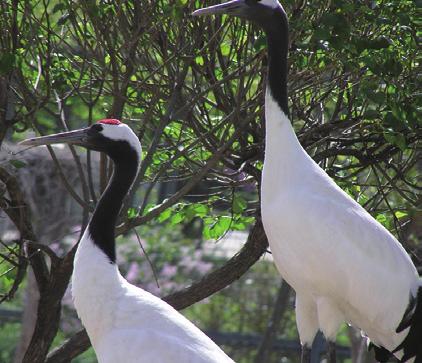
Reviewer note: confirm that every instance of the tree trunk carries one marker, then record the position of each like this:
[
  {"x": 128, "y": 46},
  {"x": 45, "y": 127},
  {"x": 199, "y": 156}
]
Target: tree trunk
[
  {"x": 29, "y": 317},
  {"x": 280, "y": 306}
]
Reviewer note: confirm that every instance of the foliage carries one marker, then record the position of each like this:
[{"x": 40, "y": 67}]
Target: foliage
[{"x": 192, "y": 90}]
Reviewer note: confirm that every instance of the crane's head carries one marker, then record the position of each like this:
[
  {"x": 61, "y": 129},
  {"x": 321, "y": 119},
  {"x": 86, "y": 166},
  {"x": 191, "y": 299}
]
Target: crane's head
[
  {"x": 262, "y": 12},
  {"x": 110, "y": 136}
]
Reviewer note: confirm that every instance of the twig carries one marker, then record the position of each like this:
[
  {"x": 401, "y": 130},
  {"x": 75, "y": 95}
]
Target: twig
[{"x": 147, "y": 257}]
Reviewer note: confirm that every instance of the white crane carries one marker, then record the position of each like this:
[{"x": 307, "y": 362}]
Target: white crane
[
  {"x": 343, "y": 264},
  {"x": 125, "y": 323}
]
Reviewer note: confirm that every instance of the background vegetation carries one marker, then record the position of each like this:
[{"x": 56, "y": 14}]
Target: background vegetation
[{"x": 192, "y": 91}]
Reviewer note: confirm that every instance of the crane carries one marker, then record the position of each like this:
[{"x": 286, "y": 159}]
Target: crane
[
  {"x": 125, "y": 323},
  {"x": 342, "y": 263}
]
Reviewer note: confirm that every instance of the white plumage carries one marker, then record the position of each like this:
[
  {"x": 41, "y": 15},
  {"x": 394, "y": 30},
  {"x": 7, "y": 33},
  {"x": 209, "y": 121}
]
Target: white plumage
[
  {"x": 124, "y": 323},
  {"x": 342, "y": 263},
  {"x": 127, "y": 324}
]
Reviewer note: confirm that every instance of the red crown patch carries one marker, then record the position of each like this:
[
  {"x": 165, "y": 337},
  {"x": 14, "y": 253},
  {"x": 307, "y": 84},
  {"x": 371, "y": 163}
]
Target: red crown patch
[{"x": 109, "y": 121}]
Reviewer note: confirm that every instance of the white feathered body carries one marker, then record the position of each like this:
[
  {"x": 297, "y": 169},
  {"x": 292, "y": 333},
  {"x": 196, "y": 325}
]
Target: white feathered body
[
  {"x": 343, "y": 264},
  {"x": 127, "y": 324}
]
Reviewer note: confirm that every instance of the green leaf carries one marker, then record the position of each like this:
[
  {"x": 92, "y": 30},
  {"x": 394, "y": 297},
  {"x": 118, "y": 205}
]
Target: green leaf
[
  {"x": 220, "y": 227},
  {"x": 132, "y": 213},
  {"x": 380, "y": 43},
  {"x": 362, "y": 199},
  {"x": 206, "y": 232},
  {"x": 58, "y": 7},
  {"x": 148, "y": 207},
  {"x": 225, "y": 49},
  {"x": 196, "y": 210},
  {"x": 241, "y": 223},
  {"x": 396, "y": 139},
  {"x": 400, "y": 214},
  {"x": 392, "y": 67},
  {"x": 390, "y": 137},
  {"x": 7, "y": 61},
  {"x": 382, "y": 219},
  {"x": 199, "y": 60},
  {"x": 17, "y": 163},
  {"x": 164, "y": 215},
  {"x": 176, "y": 218},
  {"x": 239, "y": 204},
  {"x": 401, "y": 142},
  {"x": 391, "y": 121},
  {"x": 376, "y": 97},
  {"x": 322, "y": 34},
  {"x": 370, "y": 114}
]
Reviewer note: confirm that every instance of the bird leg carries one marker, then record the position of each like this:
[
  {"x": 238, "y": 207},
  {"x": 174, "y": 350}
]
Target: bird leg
[
  {"x": 306, "y": 354},
  {"x": 331, "y": 352}
]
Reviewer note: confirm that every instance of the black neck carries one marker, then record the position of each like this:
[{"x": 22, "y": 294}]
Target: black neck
[
  {"x": 103, "y": 221},
  {"x": 278, "y": 44}
]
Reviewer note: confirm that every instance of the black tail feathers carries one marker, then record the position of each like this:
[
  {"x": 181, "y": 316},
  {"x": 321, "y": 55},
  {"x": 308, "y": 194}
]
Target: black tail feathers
[
  {"x": 412, "y": 344},
  {"x": 382, "y": 355}
]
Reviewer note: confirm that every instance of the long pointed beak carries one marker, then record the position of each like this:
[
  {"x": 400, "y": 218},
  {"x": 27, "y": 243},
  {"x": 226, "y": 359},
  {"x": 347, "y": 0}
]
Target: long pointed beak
[
  {"x": 234, "y": 7},
  {"x": 78, "y": 137}
]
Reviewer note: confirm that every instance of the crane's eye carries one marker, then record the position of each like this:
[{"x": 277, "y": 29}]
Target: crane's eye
[{"x": 97, "y": 128}]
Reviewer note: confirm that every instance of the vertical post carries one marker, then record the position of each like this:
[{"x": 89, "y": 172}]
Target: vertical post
[{"x": 318, "y": 347}]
